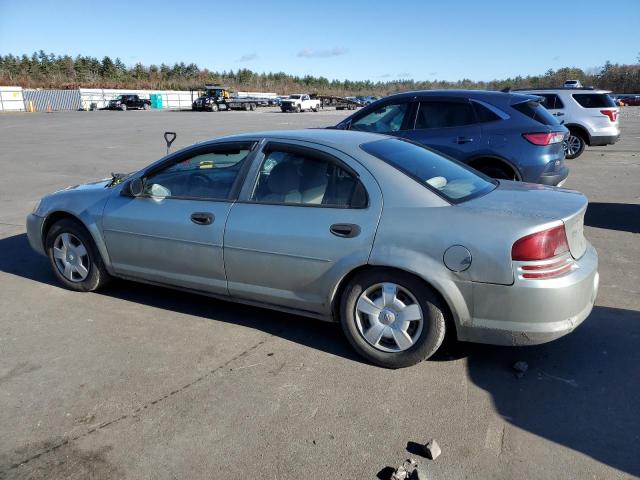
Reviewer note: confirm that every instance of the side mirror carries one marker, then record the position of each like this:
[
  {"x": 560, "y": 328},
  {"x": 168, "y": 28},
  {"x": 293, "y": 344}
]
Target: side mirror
[
  {"x": 346, "y": 125},
  {"x": 133, "y": 188}
]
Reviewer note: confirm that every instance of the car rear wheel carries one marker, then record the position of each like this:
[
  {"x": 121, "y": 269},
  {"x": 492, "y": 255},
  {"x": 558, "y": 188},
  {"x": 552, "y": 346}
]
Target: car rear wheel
[
  {"x": 74, "y": 257},
  {"x": 392, "y": 318},
  {"x": 574, "y": 145},
  {"x": 146, "y": 106},
  {"x": 214, "y": 107},
  {"x": 298, "y": 109},
  {"x": 495, "y": 170}
]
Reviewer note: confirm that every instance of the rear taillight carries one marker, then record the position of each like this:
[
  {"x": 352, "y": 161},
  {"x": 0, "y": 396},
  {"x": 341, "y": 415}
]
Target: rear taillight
[
  {"x": 612, "y": 114},
  {"x": 541, "y": 245},
  {"x": 543, "y": 254},
  {"x": 544, "y": 138}
]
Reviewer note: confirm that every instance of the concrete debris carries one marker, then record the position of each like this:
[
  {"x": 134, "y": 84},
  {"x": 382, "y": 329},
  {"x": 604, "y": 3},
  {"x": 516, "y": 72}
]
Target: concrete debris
[
  {"x": 432, "y": 450},
  {"x": 520, "y": 367},
  {"x": 407, "y": 471}
]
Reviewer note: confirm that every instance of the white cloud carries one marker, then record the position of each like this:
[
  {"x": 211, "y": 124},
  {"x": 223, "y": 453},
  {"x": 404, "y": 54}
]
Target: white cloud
[
  {"x": 247, "y": 57},
  {"x": 322, "y": 53}
]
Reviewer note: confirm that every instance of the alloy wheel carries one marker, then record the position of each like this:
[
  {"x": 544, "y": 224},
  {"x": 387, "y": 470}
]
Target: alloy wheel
[{"x": 572, "y": 145}]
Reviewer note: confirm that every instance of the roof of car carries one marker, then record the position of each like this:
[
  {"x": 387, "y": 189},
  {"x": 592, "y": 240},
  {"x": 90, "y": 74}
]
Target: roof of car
[
  {"x": 449, "y": 93},
  {"x": 342, "y": 139},
  {"x": 561, "y": 89}
]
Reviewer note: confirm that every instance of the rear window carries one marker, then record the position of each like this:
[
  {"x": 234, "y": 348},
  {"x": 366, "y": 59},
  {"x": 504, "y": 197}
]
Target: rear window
[
  {"x": 537, "y": 112},
  {"x": 594, "y": 100},
  {"x": 446, "y": 177}
]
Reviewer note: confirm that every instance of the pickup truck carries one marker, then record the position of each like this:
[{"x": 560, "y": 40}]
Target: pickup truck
[
  {"x": 299, "y": 103},
  {"x": 126, "y": 102}
]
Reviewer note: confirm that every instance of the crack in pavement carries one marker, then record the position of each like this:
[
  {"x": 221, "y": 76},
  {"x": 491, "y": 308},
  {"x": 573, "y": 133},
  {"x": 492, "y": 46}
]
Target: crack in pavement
[{"x": 137, "y": 410}]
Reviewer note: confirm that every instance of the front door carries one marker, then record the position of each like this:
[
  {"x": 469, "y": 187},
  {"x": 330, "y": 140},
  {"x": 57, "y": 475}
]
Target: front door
[
  {"x": 173, "y": 233},
  {"x": 307, "y": 216}
]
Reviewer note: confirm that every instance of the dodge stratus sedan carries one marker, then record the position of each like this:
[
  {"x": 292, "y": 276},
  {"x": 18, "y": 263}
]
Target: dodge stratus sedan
[{"x": 397, "y": 242}]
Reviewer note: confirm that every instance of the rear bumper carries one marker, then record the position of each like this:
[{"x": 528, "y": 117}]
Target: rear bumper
[
  {"x": 599, "y": 141},
  {"x": 554, "y": 178},
  {"x": 531, "y": 312}
]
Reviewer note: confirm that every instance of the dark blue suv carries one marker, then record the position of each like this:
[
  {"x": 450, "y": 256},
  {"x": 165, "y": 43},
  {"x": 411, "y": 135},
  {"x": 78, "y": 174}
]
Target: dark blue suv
[{"x": 504, "y": 135}]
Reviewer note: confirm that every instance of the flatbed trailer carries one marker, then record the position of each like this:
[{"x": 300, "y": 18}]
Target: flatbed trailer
[
  {"x": 217, "y": 98},
  {"x": 340, "y": 103}
]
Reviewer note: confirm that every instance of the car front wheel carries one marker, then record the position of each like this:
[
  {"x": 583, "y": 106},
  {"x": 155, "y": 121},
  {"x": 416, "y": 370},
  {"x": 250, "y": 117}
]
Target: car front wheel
[
  {"x": 74, "y": 257},
  {"x": 392, "y": 318}
]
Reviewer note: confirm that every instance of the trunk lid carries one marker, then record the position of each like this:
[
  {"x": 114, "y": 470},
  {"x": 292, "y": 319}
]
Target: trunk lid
[{"x": 534, "y": 205}]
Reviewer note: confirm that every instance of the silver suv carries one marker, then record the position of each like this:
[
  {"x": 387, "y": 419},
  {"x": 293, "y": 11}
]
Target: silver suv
[{"x": 590, "y": 115}]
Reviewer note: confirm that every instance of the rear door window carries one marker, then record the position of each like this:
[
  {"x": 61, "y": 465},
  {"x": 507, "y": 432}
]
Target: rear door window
[
  {"x": 444, "y": 114},
  {"x": 537, "y": 112},
  {"x": 306, "y": 178},
  {"x": 550, "y": 101},
  {"x": 594, "y": 100},
  {"x": 385, "y": 119}
]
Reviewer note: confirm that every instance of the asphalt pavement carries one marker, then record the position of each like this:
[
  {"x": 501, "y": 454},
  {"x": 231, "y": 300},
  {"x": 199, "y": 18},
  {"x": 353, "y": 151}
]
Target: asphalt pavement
[{"x": 145, "y": 382}]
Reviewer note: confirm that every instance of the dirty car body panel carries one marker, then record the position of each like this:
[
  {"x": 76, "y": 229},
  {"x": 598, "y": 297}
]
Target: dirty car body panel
[{"x": 264, "y": 244}]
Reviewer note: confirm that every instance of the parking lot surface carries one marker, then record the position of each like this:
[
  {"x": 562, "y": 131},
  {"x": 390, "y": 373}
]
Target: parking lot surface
[{"x": 145, "y": 382}]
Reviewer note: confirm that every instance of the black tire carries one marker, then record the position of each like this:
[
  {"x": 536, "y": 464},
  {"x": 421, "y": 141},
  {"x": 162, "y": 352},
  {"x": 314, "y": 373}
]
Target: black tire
[
  {"x": 434, "y": 324},
  {"x": 245, "y": 107},
  {"x": 123, "y": 107},
  {"x": 214, "y": 107},
  {"x": 252, "y": 107},
  {"x": 146, "y": 106},
  {"x": 577, "y": 143},
  {"x": 317, "y": 109},
  {"x": 298, "y": 109},
  {"x": 496, "y": 171},
  {"x": 97, "y": 275}
]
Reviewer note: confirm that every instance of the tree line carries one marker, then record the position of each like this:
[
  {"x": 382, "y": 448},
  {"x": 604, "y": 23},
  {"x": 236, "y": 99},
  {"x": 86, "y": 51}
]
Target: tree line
[{"x": 46, "y": 70}]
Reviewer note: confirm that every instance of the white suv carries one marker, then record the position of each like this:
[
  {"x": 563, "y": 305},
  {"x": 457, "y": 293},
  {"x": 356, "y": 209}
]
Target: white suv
[{"x": 590, "y": 115}]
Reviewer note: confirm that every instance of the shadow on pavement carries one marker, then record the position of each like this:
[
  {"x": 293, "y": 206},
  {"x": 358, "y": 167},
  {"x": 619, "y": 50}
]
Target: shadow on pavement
[
  {"x": 581, "y": 391},
  {"x": 614, "y": 216},
  {"x": 19, "y": 259}
]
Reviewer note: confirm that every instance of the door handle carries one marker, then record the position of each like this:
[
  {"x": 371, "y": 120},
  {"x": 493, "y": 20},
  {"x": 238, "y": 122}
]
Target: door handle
[
  {"x": 558, "y": 114},
  {"x": 345, "y": 230},
  {"x": 460, "y": 140},
  {"x": 202, "y": 218}
]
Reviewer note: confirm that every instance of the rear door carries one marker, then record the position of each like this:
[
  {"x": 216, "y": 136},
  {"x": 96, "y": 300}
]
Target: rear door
[
  {"x": 306, "y": 216},
  {"x": 448, "y": 125}
]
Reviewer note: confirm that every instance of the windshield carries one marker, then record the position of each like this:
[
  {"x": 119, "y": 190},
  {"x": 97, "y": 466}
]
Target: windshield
[
  {"x": 120, "y": 97},
  {"x": 295, "y": 97},
  {"x": 447, "y": 177}
]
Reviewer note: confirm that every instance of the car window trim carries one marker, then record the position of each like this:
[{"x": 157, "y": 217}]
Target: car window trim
[
  {"x": 202, "y": 150},
  {"x": 421, "y": 100},
  {"x": 281, "y": 146}
]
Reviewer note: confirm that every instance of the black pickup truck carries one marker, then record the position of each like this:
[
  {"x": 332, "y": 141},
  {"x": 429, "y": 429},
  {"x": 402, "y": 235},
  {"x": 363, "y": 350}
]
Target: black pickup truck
[{"x": 126, "y": 102}]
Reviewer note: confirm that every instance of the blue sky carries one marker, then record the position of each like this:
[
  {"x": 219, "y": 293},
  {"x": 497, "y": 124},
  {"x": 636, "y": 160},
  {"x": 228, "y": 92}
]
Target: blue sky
[{"x": 375, "y": 40}]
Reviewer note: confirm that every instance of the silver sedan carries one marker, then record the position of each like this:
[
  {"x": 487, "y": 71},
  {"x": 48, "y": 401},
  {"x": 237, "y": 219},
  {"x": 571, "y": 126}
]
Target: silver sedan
[{"x": 398, "y": 243}]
